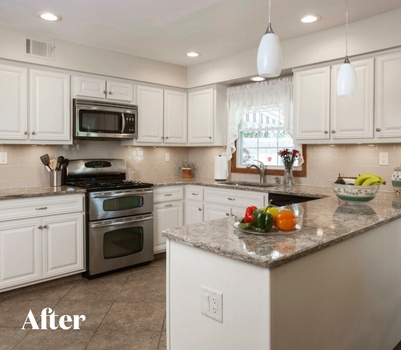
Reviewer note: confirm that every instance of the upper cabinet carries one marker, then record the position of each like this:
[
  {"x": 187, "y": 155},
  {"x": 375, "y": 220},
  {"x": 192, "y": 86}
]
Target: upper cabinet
[
  {"x": 323, "y": 117},
  {"x": 207, "y": 116},
  {"x": 162, "y": 117},
  {"x": 34, "y": 110},
  {"x": 388, "y": 97},
  {"x": 95, "y": 87}
]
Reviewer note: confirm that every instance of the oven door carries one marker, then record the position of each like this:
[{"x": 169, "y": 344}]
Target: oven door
[
  {"x": 114, "y": 244},
  {"x": 119, "y": 203}
]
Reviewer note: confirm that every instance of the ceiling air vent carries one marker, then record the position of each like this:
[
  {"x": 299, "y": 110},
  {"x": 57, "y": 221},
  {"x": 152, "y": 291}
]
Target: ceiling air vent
[{"x": 39, "y": 48}]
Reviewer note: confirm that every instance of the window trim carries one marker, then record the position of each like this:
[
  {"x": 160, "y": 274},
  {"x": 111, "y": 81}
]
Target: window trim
[{"x": 275, "y": 172}]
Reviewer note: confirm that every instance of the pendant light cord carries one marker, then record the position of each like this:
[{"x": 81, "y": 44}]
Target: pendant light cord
[
  {"x": 270, "y": 6},
  {"x": 346, "y": 28}
]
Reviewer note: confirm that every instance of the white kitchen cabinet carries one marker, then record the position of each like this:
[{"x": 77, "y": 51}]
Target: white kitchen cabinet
[
  {"x": 207, "y": 116},
  {"x": 40, "y": 239},
  {"x": 168, "y": 212},
  {"x": 388, "y": 99},
  {"x": 321, "y": 116},
  {"x": 13, "y": 101},
  {"x": 352, "y": 116},
  {"x": 311, "y": 104},
  {"x": 219, "y": 203},
  {"x": 98, "y": 87},
  {"x": 193, "y": 204},
  {"x": 40, "y": 117},
  {"x": 162, "y": 117},
  {"x": 49, "y": 106}
]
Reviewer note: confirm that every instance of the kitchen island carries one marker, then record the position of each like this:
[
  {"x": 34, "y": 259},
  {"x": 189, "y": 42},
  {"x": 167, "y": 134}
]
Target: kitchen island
[{"x": 333, "y": 284}]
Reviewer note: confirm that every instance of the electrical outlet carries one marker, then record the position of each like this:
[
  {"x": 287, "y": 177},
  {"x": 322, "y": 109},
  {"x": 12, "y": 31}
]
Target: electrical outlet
[
  {"x": 167, "y": 157},
  {"x": 383, "y": 158},
  {"x": 3, "y": 157},
  {"x": 212, "y": 303}
]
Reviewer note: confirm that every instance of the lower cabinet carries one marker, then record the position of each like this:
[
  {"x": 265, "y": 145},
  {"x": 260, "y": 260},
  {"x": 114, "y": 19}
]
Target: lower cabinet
[
  {"x": 44, "y": 246},
  {"x": 168, "y": 212}
]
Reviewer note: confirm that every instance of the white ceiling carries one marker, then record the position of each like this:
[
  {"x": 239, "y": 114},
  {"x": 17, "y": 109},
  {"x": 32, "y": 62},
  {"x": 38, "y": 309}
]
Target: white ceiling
[{"x": 165, "y": 30}]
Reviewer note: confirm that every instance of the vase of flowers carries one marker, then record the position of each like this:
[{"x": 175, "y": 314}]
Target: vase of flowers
[{"x": 288, "y": 159}]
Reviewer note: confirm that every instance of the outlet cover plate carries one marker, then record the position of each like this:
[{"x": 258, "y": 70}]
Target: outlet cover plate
[{"x": 212, "y": 303}]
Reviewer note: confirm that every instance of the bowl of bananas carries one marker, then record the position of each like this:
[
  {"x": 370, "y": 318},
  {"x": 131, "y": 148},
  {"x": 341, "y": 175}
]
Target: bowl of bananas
[{"x": 359, "y": 190}]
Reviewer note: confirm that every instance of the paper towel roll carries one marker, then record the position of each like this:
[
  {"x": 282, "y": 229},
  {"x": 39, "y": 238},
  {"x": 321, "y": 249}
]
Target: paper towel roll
[{"x": 220, "y": 168}]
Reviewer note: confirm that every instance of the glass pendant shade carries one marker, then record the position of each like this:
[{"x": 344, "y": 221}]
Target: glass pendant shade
[
  {"x": 270, "y": 58},
  {"x": 346, "y": 79}
]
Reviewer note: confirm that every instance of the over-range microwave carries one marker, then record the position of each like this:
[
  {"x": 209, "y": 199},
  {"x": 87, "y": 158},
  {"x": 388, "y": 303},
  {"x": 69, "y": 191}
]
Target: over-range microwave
[{"x": 104, "y": 120}]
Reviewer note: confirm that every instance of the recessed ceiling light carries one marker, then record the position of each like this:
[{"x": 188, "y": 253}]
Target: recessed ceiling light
[
  {"x": 310, "y": 18},
  {"x": 48, "y": 16},
  {"x": 192, "y": 54},
  {"x": 257, "y": 78}
]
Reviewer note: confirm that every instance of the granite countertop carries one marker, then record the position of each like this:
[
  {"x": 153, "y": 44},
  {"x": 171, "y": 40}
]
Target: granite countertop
[
  {"x": 325, "y": 222},
  {"x": 31, "y": 192}
]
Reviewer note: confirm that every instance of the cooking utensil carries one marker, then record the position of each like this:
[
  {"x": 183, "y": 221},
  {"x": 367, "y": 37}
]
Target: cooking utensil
[
  {"x": 64, "y": 164},
  {"x": 53, "y": 164},
  {"x": 60, "y": 160},
  {"x": 46, "y": 160}
]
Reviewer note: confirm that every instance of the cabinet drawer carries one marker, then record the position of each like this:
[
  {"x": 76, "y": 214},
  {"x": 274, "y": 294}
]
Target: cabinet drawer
[
  {"x": 40, "y": 206},
  {"x": 164, "y": 194},
  {"x": 194, "y": 193},
  {"x": 241, "y": 199}
]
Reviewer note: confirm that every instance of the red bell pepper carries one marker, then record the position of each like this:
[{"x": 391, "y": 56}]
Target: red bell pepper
[{"x": 249, "y": 214}]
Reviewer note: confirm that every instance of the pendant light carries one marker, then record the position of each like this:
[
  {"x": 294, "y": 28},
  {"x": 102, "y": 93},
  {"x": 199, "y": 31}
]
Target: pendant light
[
  {"x": 346, "y": 78},
  {"x": 269, "y": 59}
]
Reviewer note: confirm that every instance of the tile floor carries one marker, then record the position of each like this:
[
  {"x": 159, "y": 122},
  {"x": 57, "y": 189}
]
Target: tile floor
[{"x": 124, "y": 310}]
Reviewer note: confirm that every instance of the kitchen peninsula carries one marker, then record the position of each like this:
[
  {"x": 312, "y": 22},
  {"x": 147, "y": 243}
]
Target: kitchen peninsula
[{"x": 333, "y": 284}]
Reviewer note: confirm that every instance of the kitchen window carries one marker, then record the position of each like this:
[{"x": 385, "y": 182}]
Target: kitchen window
[{"x": 260, "y": 124}]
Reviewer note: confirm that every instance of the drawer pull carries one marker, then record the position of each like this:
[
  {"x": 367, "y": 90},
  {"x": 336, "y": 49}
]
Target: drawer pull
[
  {"x": 231, "y": 199},
  {"x": 41, "y": 208},
  {"x": 168, "y": 195},
  {"x": 195, "y": 194},
  {"x": 168, "y": 205}
]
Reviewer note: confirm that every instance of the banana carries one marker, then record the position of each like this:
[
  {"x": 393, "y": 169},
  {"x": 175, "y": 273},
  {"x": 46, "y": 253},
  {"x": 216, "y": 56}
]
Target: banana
[
  {"x": 369, "y": 180},
  {"x": 362, "y": 178}
]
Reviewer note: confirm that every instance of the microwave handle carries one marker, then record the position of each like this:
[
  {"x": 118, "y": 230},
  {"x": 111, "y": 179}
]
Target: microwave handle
[{"x": 123, "y": 122}]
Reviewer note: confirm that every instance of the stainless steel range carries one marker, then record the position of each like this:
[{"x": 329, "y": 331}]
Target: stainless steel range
[{"x": 119, "y": 214}]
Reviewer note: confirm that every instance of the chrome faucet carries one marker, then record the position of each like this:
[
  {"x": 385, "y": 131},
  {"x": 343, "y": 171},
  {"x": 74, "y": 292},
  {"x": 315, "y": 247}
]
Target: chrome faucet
[{"x": 261, "y": 169}]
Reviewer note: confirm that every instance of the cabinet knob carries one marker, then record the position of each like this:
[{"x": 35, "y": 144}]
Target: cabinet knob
[
  {"x": 210, "y": 137},
  {"x": 378, "y": 129},
  {"x": 40, "y": 227},
  {"x": 25, "y": 132},
  {"x": 105, "y": 92},
  {"x": 110, "y": 93},
  {"x": 45, "y": 226},
  {"x": 326, "y": 132},
  {"x": 166, "y": 137},
  {"x": 227, "y": 214},
  {"x": 200, "y": 209},
  {"x": 333, "y": 131},
  {"x": 33, "y": 133}
]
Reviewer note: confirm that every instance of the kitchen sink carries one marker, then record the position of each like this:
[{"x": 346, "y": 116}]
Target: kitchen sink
[{"x": 245, "y": 183}]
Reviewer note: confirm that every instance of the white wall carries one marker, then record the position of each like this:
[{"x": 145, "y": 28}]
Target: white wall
[
  {"x": 372, "y": 34},
  {"x": 92, "y": 60}
]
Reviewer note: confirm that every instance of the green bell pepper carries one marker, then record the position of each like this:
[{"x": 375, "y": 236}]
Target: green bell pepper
[{"x": 259, "y": 219}]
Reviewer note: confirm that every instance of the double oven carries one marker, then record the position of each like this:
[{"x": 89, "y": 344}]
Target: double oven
[{"x": 119, "y": 215}]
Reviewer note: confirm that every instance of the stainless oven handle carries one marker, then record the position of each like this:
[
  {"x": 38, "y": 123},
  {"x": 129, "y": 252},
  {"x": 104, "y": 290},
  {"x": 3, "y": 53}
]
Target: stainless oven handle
[
  {"x": 123, "y": 122},
  {"x": 114, "y": 195},
  {"x": 120, "y": 223}
]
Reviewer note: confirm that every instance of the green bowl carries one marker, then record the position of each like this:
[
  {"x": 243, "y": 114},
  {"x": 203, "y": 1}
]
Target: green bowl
[{"x": 355, "y": 194}]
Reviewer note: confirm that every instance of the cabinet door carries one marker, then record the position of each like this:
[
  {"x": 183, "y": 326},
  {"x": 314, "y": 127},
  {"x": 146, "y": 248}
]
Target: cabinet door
[
  {"x": 201, "y": 116},
  {"x": 166, "y": 215},
  {"x": 63, "y": 244},
  {"x": 175, "y": 117},
  {"x": 13, "y": 115},
  {"x": 150, "y": 114},
  {"x": 89, "y": 87},
  {"x": 352, "y": 116},
  {"x": 312, "y": 104},
  {"x": 119, "y": 91},
  {"x": 213, "y": 211},
  {"x": 193, "y": 212},
  {"x": 388, "y": 98},
  {"x": 49, "y": 106},
  {"x": 20, "y": 260}
]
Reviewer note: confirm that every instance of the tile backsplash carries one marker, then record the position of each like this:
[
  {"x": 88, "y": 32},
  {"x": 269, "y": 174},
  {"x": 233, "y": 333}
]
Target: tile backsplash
[{"x": 324, "y": 162}]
